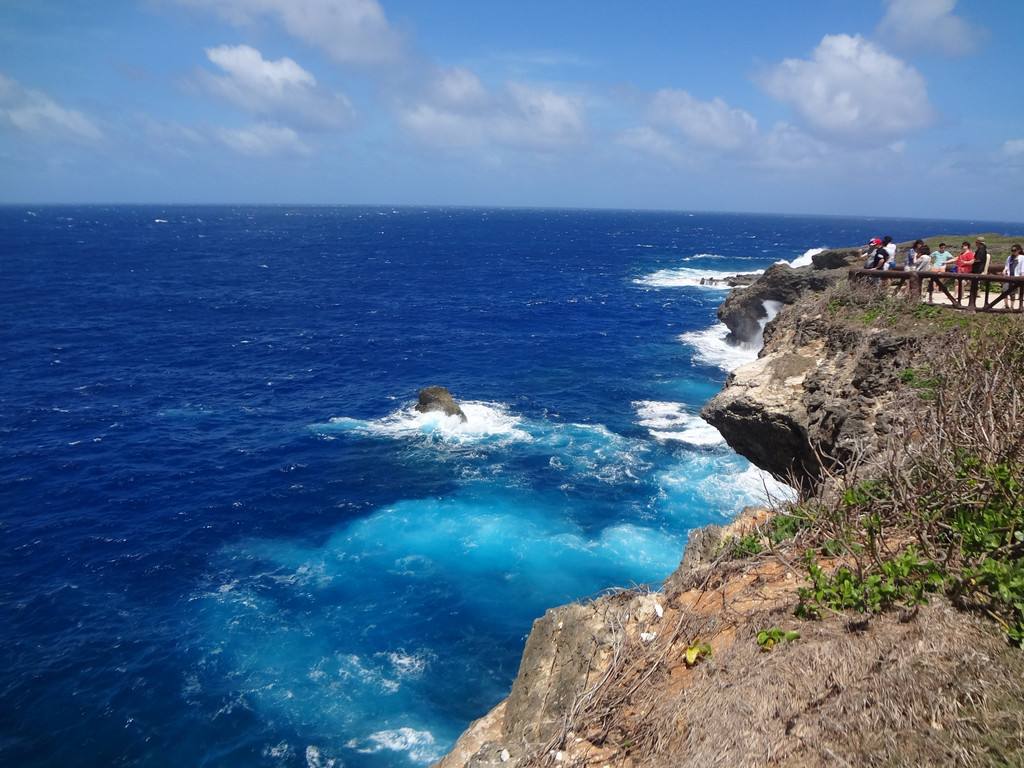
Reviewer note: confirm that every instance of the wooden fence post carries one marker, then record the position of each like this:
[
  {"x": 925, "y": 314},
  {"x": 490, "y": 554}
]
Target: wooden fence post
[{"x": 914, "y": 289}]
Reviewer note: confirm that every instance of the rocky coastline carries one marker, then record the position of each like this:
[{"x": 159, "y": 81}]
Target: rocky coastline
[{"x": 622, "y": 679}]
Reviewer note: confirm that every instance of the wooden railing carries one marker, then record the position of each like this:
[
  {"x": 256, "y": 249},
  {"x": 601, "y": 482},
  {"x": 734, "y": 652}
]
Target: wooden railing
[{"x": 996, "y": 293}]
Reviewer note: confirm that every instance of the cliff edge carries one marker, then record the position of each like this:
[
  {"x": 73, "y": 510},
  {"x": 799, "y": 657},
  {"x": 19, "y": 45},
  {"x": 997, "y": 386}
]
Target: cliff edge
[
  {"x": 821, "y": 388},
  {"x": 842, "y": 630}
]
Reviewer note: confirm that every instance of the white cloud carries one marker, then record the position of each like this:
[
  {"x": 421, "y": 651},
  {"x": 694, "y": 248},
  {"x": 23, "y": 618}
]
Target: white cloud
[
  {"x": 442, "y": 127},
  {"x": 713, "y": 134},
  {"x": 1014, "y": 148},
  {"x": 708, "y": 124},
  {"x": 458, "y": 87},
  {"x": 171, "y": 137},
  {"x": 786, "y": 147},
  {"x": 279, "y": 89},
  {"x": 651, "y": 142},
  {"x": 852, "y": 91},
  {"x": 929, "y": 26},
  {"x": 457, "y": 112},
  {"x": 350, "y": 31},
  {"x": 262, "y": 140},
  {"x": 540, "y": 117},
  {"x": 34, "y": 113}
]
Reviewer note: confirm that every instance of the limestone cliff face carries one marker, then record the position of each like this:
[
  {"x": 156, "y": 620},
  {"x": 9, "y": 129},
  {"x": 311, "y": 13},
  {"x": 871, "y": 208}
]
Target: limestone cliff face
[
  {"x": 820, "y": 390},
  {"x": 608, "y": 682},
  {"x": 571, "y": 650}
]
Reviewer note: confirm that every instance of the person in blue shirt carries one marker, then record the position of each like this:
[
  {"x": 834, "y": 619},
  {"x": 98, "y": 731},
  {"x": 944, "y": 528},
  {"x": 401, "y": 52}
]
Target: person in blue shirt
[{"x": 941, "y": 258}]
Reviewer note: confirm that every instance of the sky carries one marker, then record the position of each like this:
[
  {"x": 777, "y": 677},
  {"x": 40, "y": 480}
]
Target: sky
[{"x": 846, "y": 107}]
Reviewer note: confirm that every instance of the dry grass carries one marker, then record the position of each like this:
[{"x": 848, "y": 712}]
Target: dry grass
[{"x": 916, "y": 685}]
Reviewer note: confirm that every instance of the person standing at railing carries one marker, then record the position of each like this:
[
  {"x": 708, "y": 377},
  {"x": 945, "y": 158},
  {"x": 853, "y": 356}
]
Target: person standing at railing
[
  {"x": 913, "y": 258},
  {"x": 877, "y": 255},
  {"x": 924, "y": 259},
  {"x": 965, "y": 261},
  {"x": 980, "y": 265},
  {"x": 941, "y": 258},
  {"x": 1014, "y": 267},
  {"x": 890, "y": 249}
]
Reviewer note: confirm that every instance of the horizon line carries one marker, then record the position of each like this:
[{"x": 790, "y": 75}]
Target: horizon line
[{"x": 477, "y": 206}]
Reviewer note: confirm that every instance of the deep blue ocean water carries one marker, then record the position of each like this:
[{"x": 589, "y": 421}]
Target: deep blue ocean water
[{"x": 226, "y": 538}]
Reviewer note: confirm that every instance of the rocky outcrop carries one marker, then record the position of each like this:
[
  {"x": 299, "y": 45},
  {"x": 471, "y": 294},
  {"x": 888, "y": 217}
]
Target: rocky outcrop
[
  {"x": 616, "y": 681},
  {"x": 608, "y": 683},
  {"x": 732, "y": 281},
  {"x": 744, "y": 312},
  {"x": 569, "y": 651},
  {"x": 820, "y": 392},
  {"x": 439, "y": 399},
  {"x": 841, "y": 258}
]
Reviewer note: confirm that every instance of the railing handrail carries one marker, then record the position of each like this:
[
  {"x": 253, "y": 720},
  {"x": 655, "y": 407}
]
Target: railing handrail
[
  {"x": 937, "y": 274},
  {"x": 922, "y": 285}
]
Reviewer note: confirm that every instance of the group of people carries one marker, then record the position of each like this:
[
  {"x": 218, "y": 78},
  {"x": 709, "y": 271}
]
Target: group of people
[{"x": 882, "y": 254}]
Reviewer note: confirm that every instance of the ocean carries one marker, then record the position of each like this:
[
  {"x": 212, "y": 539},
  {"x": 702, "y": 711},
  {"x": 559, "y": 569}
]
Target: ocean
[{"x": 227, "y": 538}]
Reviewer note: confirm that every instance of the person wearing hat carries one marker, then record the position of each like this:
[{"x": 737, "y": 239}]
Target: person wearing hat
[
  {"x": 980, "y": 256},
  {"x": 941, "y": 258},
  {"x": 877, "y": 255}
]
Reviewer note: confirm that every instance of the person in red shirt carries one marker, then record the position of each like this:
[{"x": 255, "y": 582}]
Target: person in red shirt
[{"x": 964, "y": 261}]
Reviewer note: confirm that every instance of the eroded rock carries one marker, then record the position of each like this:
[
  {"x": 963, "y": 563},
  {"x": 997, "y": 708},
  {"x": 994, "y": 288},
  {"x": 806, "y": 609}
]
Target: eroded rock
[
  {"x": 439, "y": 399},
  {"x": 743, "y": 311}
]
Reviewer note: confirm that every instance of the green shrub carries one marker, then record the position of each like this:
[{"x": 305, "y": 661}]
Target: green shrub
[{"x": 769, "y": 638}]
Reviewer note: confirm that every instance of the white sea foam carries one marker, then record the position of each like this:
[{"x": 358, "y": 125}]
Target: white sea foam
[
  {"x": 762, "y": 485},
  {"x": 672, "y": 422},
  {"x": 582, "y": 451},
  {"x": 805, "y": 259},
  {"x": 711, "y": 346},
  {"x": 314, "y": 759},
  {"x": 159, "y": 221},
  {"x": 351, "y": 666},
  {"x": 419, "y": 746},
  {"x": 703, "y": 257},
  {"x": 408, "y": 665},
  {"x": 713, "y": 482},
  {"x": 684, "y": 277},
  {"x": 485, "y": 422}
]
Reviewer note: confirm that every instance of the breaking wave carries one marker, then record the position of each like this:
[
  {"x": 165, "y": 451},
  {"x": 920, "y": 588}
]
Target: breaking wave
[
  {"x": 668, "y": 422},
  {"x": 485, "y": 422},
  {"x": 712, "y": 345},
  {"x": 805, "y": 259},
  {"x": 684, "y": 277}
]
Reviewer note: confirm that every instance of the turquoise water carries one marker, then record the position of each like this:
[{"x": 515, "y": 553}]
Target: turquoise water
[{"x": 229, "y": 540}]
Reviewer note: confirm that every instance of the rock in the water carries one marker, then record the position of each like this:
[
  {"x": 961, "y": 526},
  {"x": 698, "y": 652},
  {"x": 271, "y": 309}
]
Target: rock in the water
[
  {"x": 439, "y": 399},
  {"x": 743, "y": 311},
  {"x": 732, "y": 281}
]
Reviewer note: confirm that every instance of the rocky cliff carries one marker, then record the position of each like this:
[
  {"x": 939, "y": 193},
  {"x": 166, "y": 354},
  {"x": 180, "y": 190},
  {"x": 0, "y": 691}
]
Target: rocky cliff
[
  {"x": 676, "y": 679},
  {"x": 680, "y": 677},
  {"x": 819, "y": 391}
]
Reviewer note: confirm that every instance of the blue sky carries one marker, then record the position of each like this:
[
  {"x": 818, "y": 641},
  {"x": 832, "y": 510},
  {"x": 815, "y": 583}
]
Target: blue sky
[{"x": 887, "y": 107}]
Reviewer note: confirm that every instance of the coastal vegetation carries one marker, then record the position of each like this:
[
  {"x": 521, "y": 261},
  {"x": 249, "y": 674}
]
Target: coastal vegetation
[
  {"x": 938, "y": 507},
  {"x": 878, "y": 619}
]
